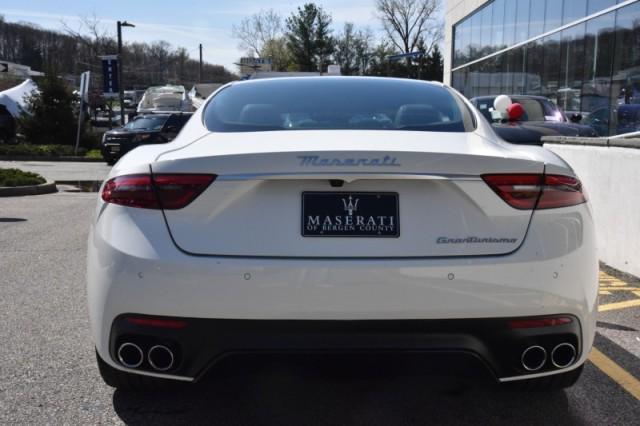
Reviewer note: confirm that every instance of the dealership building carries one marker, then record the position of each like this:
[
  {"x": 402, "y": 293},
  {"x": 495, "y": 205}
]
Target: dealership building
[{"x": 582, "y": 54}]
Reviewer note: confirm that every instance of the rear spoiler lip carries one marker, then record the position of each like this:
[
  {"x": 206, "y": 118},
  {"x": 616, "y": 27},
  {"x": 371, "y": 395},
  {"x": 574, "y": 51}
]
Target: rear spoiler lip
[{"x": 345, "y": 176}]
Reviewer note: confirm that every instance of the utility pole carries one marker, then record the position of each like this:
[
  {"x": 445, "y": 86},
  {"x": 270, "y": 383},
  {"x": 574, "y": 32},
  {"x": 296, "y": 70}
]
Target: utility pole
[
  {"x": 200, "y": 68},
  {"x": 121, "y": 86}
]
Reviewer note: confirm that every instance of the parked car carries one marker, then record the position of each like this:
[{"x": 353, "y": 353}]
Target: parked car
[
  {"x": 626, "y": 116},
  {"x": 541, "y": 118},
  {"x": 7, "y": 126},
  {"x": 142, "y": 130},
  {"x": 342, "y": 214}
]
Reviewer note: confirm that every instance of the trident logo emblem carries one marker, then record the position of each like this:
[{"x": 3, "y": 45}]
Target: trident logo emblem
[{"x": 350, "y": 207}]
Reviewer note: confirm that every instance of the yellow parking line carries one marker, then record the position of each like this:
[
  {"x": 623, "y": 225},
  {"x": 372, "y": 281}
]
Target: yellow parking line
[
  {"x": 619, "y": 305},
  {"x": 614, "y": 371},
  {"x": 637, "y": 293},
  {"x": 604, "y": 292},
  {"x": 605, "y": 288}
]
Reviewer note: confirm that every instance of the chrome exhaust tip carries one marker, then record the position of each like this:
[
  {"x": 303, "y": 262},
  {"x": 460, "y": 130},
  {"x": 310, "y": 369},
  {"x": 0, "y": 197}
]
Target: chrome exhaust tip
[
  {"x": 160, "y": 357},
  {"x": 533, "y": 358},
  {"x": 130, "y": 355},
  {"x": 563, "y": 355}
]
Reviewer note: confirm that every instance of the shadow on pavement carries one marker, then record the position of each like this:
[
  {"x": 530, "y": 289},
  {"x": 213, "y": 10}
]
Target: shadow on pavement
[
  {"x": 268, "y": 390},
  {"x": 12, "y": 219},
  {"x": 618, "y": 354}
]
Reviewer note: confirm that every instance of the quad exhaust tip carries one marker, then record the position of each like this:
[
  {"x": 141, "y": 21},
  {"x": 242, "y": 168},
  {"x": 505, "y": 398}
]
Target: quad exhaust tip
[
  {"x": 160, "y": 357},
  {"x": 130, "y": 355},
  {"x": 563, "y": 355},
  {"x": 533, "y": 358}
]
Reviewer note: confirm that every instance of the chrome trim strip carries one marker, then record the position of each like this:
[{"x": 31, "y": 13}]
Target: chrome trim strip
[{"x": 346, "y": 176}]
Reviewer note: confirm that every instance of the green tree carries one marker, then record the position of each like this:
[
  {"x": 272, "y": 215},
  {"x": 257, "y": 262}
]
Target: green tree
[
  {"x": 352, "y": 50},
  {"x": 434, "y": 65},
  {"x": 309, "y": 37},
  {"x": 49, "y": 117}
]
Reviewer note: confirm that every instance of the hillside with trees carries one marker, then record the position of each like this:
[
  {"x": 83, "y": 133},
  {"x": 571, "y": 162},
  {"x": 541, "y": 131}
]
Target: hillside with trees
[{"x": 71, "y": 52}]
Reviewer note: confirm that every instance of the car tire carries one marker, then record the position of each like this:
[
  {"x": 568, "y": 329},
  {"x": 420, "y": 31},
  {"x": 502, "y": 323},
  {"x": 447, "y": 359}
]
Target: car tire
[
  {"x": 110, "y": 162},
  {"x": 129, "y": 381},
  {"x": 549, "y": 383}
]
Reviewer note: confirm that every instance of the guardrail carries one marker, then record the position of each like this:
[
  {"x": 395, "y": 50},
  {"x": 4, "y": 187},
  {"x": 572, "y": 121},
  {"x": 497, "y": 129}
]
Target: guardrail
[{"x": 610, "y": 171}]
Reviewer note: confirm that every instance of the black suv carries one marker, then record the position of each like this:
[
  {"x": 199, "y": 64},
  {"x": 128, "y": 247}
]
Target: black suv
[
  {"x": 143, "y": 130},
  {"x": 7, "y": 126}
]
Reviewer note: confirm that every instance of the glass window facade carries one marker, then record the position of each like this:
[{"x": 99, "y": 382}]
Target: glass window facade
[{"x": 591, "y": 68}]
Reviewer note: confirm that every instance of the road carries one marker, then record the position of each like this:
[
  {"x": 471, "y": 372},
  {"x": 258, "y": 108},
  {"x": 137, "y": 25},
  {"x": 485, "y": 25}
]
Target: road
[{"x": 48, "y": 372}]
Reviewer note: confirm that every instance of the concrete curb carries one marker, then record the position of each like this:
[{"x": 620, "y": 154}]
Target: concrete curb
[
  {"x": 49, "y": 158},
  {"x": 15, "y": 191}
]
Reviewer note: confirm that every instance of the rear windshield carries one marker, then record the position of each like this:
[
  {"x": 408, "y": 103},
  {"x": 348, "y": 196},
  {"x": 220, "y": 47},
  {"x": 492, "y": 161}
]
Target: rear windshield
[
  {"x": 336, "y": 103},
  {"x": 534, "y": 109},
  {"x": 147, "y": 123}
]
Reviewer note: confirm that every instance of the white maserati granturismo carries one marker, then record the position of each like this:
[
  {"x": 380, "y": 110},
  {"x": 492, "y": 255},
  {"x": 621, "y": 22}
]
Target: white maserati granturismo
[{"x": 348, "y": 215}]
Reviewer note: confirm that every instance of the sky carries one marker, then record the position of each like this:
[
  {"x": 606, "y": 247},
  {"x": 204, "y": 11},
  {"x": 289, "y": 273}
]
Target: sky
[{"x": 183, "y": 23}]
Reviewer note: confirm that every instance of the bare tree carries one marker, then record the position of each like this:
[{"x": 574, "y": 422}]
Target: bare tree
[
  {"x": 407, "y": 21},
  {"x": 258, "y": 31}
]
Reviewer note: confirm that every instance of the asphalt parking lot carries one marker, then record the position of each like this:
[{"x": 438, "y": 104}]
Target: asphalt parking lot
[{"x": 48, "y": 372}]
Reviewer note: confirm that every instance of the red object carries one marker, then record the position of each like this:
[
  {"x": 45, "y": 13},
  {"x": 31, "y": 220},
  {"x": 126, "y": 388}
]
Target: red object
[
  {"x": 515, "y": 112},
  {"x": 539, "y": 322},
  {"x": 534, "y": 191},
  {"x": 163, "y": 191},
  {"x": 157, "y": 322}
]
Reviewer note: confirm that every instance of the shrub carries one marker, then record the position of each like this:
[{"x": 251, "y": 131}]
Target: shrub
[
  {"x": 49, "y": 117},
  {"x": 25, "y": 149},
  {"x": 15, "y": 177}
]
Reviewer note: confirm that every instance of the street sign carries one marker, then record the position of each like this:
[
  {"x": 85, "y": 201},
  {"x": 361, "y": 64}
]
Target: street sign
[
  {"x": 405, "y": 55},
  {"x": 110, "y": 81},
  {"x": 84, "y": 86},
  {"x": 84, "y": 98}
]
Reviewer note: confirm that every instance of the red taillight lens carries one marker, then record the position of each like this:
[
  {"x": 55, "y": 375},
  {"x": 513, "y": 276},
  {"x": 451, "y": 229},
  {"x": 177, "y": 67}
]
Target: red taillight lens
[
  {"x": 131, "y": 191},
  {"x": 167, "y": 191},
  {"x": 529, "y": 191},
  {"x": 520, "y": 191},
  {"x": 561, "y": 191},
  {"x": 177, "y": 191},
  {"x": 539, "y": 322}
]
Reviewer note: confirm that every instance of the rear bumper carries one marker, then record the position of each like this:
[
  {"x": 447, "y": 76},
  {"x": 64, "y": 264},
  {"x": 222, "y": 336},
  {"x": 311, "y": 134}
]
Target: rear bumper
[
  {"x": 133, "y": 267},
  {"x": 477, "y": 347}
]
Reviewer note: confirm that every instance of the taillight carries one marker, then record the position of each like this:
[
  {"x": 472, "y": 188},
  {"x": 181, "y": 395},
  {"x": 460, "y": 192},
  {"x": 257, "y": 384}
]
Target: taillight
[
  {"x": 162, "y": 191},
  {"x": 529, "y": 191},
  {"x": 561, "y": 191},
  {"x": 520, "y": 191}
]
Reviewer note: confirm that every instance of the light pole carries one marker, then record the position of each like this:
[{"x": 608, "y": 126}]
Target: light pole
[{"x": 121, "y": 87}]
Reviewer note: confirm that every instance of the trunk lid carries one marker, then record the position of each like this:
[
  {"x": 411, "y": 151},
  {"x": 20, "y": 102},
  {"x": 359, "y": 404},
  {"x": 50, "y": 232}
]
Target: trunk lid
[{"x": 255, "y": 206}]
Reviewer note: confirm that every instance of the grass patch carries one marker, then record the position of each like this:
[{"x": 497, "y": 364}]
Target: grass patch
[
  {"x": 93, "y": 153},
  {"x": 15, "y": 177}
]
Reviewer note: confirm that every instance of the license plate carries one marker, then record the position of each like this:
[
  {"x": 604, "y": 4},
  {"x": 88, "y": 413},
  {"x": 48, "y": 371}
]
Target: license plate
[
  {"x": 114, "y": 148},
  {"x": 350, "y": 214}
]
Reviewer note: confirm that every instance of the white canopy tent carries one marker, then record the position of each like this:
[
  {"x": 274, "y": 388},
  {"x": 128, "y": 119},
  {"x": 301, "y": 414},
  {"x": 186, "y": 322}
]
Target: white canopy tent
[{"x": 14, "y": 99}]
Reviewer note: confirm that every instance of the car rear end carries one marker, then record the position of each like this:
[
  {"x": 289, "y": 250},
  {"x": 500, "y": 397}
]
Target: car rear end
[{"x": 443, "y": 243}]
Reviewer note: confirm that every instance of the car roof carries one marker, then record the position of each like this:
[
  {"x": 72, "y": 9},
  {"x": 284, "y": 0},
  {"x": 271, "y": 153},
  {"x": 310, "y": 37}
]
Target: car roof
[{"x": 328, "y": 78}]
